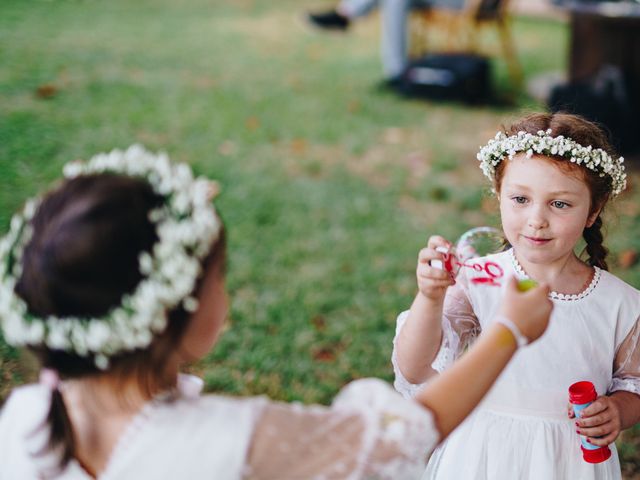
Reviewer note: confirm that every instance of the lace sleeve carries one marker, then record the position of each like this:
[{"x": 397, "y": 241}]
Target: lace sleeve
[
  {"x": 460, "y": 327},
  {"x": 368, "y": 432},
  {"x": 626, "y": 365}
]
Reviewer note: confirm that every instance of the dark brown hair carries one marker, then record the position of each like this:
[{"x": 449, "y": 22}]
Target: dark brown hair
[
  {"x": 81, "y": 260},
  {"x": 585, "y": 133}
]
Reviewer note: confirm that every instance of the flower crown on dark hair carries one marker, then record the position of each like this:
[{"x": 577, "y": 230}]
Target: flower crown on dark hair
[{"x": 186, "y": 224}]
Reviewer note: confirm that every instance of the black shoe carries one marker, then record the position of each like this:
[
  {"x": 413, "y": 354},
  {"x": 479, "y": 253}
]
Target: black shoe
[
  {"x": 330, "y": 20},
  {"x": 393, "y": 84}
]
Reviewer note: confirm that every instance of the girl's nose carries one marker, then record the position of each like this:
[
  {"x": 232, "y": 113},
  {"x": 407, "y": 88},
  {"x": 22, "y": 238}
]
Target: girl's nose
[{"x": 537, "y": 221}]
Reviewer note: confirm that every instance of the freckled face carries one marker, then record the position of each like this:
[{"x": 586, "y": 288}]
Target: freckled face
[{"x": 544, "y": 209}]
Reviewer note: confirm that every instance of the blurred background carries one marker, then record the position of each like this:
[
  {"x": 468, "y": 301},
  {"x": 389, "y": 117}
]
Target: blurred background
[{"x": 330, "y": 184}]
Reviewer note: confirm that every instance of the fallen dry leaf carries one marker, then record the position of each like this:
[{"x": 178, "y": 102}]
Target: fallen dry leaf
[
  {"x": 353, "y": 106},
  {"x": 298, "y": 146},
  {"x": 252, "y": 123},
  {"x": 46, "y": 91},
  {"x": 627, "y": 258},
  {"x": 319, "y": 322},
  {"x": 324, "y": 355}
]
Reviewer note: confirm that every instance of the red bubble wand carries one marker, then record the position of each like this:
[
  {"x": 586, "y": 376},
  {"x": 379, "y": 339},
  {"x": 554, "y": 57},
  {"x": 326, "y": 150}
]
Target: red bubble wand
[{"x": 475, "y": 243}]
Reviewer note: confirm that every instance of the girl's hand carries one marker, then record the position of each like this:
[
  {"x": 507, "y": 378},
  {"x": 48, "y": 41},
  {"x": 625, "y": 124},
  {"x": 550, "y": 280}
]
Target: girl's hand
[
  {"x": 433, "y": 282},
  {"x": 530, "y": 310},
  {"x": 600, "y": 419}
]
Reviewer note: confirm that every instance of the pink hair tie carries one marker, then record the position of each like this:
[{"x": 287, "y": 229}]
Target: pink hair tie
[{"x": 49, "y": 378}]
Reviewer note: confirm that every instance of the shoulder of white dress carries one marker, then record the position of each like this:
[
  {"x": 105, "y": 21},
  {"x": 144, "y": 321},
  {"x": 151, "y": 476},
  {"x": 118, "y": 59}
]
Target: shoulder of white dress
[
  {"x": 208, "y": 413},
  {"x": 25, "y": 409},
  {"x": 212, "y": 399},
  {"x": 26, "y": 397},
  {"x": 212, "y": 407},
  {"x": 614, "y": 287}
]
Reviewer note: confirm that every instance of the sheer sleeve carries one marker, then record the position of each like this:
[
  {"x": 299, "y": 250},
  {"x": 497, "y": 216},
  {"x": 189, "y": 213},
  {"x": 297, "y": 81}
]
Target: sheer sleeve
[
  {"x": 460, "y": 327},
  {"x": 368, "y": 432},
  {"x": 626, "y": 365}
]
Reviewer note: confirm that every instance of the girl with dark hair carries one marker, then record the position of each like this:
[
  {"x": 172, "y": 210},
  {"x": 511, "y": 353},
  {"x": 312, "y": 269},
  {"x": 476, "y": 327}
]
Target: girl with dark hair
[
  {"x": 553, "y": 175},
  {"x": 115, "y": 279}
]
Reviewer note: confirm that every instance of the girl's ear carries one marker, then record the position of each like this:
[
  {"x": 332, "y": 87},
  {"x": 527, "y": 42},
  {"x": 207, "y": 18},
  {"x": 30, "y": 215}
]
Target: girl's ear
[{"x": 592, "y": 218}]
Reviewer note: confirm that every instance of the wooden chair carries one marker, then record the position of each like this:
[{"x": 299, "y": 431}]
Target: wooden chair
[{"x": 462, "y": 29}]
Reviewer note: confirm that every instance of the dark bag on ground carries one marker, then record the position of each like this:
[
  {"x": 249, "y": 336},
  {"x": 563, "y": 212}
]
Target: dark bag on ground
[{"x": 449, "y": 76}]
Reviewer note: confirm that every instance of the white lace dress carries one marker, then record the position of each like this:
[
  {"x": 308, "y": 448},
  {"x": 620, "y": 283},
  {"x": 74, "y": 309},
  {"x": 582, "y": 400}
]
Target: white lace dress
[
  {"x": 369, "y": 432},
  {"x": 521, "y": 430}
]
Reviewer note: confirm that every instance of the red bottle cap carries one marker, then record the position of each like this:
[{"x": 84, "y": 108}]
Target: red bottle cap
[
  {"x": 596, "y": 456},
  {"x": 582, "y": 392}
]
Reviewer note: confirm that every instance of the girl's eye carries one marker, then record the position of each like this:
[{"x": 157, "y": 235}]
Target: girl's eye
[
  {"x": 559, "y": 204},
  {"x": 520, "y": 200}
]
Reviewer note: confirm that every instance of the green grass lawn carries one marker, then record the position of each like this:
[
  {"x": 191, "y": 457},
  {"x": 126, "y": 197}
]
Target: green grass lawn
[{"x": 329, "y": 186}]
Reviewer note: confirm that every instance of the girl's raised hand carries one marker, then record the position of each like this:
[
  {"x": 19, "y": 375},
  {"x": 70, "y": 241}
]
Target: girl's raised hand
[
  {"x": 529, "y": 310},
  {"x": 433, "y": 282}
]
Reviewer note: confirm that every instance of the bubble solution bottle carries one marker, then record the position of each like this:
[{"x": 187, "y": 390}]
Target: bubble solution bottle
[{"x": 581, "y": 395}]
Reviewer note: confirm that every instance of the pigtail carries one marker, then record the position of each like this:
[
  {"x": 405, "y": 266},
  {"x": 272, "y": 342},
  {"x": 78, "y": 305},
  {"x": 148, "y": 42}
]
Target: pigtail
[
  {"x": 595, "y": 249},
  {"x": 58, "y": 424},
  {"x": 61, "y": 438}
]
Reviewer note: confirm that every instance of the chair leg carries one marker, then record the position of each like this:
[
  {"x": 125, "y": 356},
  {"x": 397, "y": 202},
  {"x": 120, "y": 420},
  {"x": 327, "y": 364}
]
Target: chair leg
[
  {"x": 418, "y": 37},
  {"x": 472, "y": 28},
  {"x": 511, "y": 57}
]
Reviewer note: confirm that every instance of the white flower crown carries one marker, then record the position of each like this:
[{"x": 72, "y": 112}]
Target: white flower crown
[
  {"x": 186, "y": 225},
  {"x": 543, "y": 143}
]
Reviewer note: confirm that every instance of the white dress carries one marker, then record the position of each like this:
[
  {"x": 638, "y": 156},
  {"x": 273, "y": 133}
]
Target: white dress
[
  {"x": 521, "y": 430},
  {"x": 370, "y": 431}
]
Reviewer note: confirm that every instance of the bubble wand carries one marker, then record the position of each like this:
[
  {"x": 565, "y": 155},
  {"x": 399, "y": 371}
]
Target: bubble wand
[{"x": 475, "y": 243}]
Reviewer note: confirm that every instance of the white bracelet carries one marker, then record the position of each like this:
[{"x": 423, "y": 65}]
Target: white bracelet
[{"x": 521, "y": 340}]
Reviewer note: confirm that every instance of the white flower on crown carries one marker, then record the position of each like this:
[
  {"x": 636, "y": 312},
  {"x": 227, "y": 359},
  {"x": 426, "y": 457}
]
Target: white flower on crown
[
  {"x": 186, "y": 224},
  {"x": 543, "y": 143}
]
